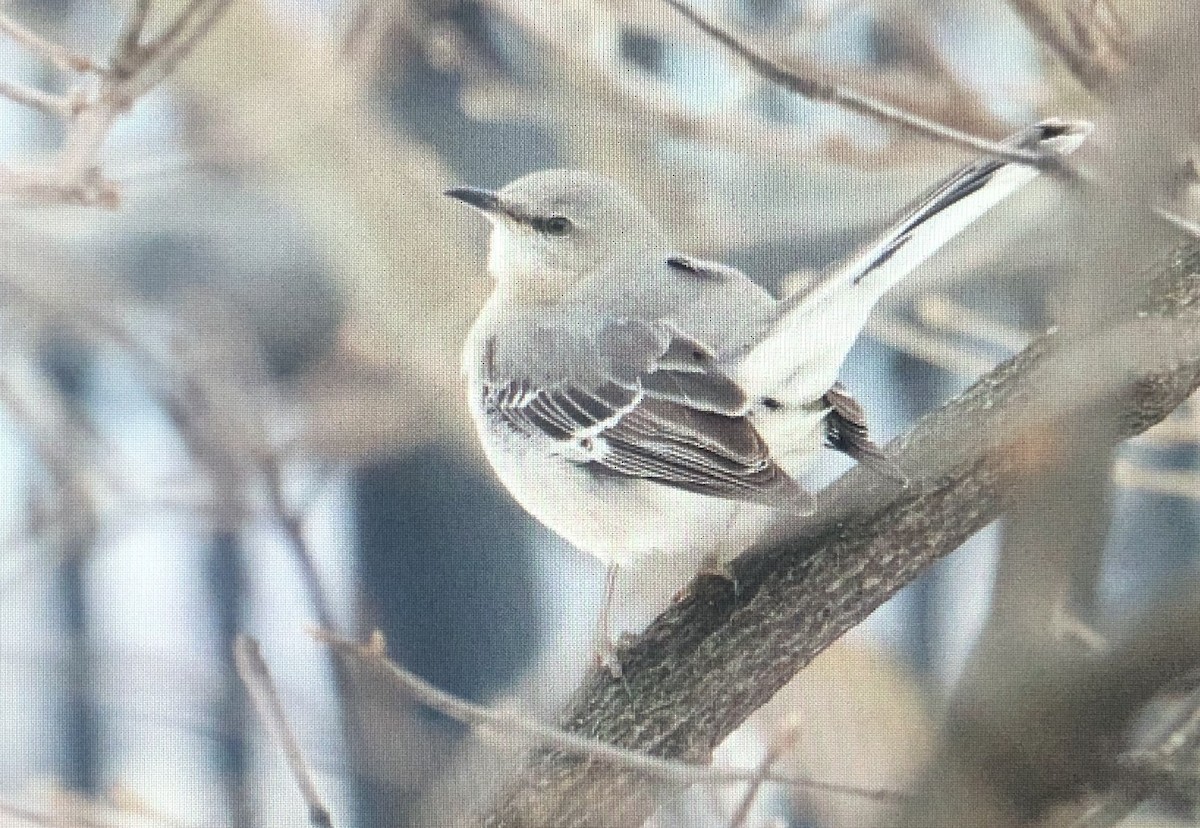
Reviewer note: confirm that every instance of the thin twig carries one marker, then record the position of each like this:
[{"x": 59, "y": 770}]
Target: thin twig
[
  {"x": 255, "y": 675},
  {"x": 505, "y": 721},
  {"x": 54, "y": 53},
  {"x": 130, "y": 38},
  {"x": 1179, "y": 222},
  {"x": 59, "y": 106},
  {"x": 1090, "y": 44},
  {"x": 164, "y": 54},
  {"x": 821, "y": 90},
  {"x": 74, "y": 175},
  {"x": 763, "y": 773},
  {"x": 292, "y": 523}
]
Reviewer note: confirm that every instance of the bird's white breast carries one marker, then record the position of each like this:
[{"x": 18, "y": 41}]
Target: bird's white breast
[{"x": 616, "y": 519}]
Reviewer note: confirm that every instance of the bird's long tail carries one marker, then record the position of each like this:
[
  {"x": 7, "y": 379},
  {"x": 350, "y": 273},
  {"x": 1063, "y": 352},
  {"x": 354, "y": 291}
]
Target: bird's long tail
[{"x": 817, "y": 326}]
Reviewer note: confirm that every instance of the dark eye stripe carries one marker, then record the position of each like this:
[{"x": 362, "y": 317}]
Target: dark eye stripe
[{"x": 552, "y": 225}]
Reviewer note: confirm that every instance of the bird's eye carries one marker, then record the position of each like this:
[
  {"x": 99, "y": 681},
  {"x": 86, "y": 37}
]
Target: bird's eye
[{"x": 558, "y": 225}]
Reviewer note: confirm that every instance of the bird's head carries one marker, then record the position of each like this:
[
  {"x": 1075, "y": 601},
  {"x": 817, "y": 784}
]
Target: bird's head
[{"x": 552, "y": 229}]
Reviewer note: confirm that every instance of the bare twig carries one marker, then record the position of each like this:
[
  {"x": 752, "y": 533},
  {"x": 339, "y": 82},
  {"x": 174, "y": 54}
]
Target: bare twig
[
  {"x": 374, "y": 652},
  {"x": 742, "y": 812},
  {"x": 59, "y": 106},
  {"x": 292, "y": 522},
  {"x": 53, "y": 53},
  {"x": 257, "y": 678},
  {"x": 854, "y": 101},
  {"x": 1085, "y": 34},
  {"x": 1179, "y": 222},
  {"x": 647, "y": 97},
  {"x": 73, "y": 175},
  {"x": 131, "y": 31},
  {"x": 149, "y": 64}
]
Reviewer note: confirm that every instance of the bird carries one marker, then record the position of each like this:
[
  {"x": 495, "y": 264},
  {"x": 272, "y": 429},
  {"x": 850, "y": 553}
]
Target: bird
[{"x": 641, "y": 401}]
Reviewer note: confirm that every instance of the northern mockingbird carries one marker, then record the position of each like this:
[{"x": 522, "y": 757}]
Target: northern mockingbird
[{"x": 640, "y": 401}]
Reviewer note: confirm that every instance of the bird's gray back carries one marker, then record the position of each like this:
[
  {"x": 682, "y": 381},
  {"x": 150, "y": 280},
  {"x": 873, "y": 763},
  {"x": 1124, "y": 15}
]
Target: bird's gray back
[{"x": 715, "y": 304}]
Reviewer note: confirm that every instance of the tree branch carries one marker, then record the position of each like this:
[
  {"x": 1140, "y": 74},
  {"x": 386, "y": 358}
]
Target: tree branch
[
  {"x": 820, "y": 89},
  {"x": 712, "y": 659},
  {"x": 73, "y": 175},
  {"x": 1086, "y": 36},
  {"x": 53, "y": 53},
  {"x": 256, "y": 677},
  {"x": 373, "y": 654}
]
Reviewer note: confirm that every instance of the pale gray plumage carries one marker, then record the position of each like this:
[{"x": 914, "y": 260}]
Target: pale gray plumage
[{"x": 638, "y": 400}]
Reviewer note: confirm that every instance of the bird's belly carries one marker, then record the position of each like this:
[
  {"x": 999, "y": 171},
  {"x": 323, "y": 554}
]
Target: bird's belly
[{"x": 617, "y": 519}]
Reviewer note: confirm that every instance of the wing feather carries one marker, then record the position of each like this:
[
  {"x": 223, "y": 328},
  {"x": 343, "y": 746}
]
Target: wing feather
[{"x": 677, "y": 420}]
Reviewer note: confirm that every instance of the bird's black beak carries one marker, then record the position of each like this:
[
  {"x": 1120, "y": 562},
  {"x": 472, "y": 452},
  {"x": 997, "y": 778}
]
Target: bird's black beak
[{"x": 483, "y": 200}]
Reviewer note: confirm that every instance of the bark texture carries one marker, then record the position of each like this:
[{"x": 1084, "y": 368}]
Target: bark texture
[{"x": 712, "y": 659}]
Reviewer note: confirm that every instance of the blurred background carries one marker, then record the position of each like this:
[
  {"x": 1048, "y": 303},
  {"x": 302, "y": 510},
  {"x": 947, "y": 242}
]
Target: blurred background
[{"x": 232, "y": 404}]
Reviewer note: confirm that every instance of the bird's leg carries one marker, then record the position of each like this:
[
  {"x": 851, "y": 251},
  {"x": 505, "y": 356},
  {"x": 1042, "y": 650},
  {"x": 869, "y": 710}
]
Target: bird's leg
[
  {"x": 605, "y": 648},
  {"x": 716, "y": 562}
]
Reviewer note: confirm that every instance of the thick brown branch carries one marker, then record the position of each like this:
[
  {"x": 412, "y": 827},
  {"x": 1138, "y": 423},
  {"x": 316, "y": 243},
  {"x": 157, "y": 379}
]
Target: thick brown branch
[{"x": 712, "y": 659}]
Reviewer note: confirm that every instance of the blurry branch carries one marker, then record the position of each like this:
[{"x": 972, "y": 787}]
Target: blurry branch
[
  {"x": 1168, "y": 764},
  {"x": 62, "y": 445},
  {"x": 1175, "y": 220},
  {"x": 943, "y": 352},
  {"x": 857, "y": 714},
  {"x": 1147, "y": 478},
  {"x": 1086, "y": 35},
  {"x": 55, "y": 54},
  {"x": 953, "y": 316},
  {"x": 709, "y": 661},
  {"x": 762, "y": 775},
  {"x": 117, "y": 808},
  {"x": 645, "y": 98},
  {"x": 256, "y": 677},
  {"x": 371, "y": 198},
  {"x": 934, "y": 91},
  {"x": 824, "y": 90},
  {"x": 998, "y": 730},
  {"x": 20, "y": 815},
  {"x": 292, "y": 522},
  {"x": 58, "y": 106},
  {"x": 1029, "y": 750},
  {"x": 951, "y": 355},
  {"x": 366, "y": 35},
  {"x": 136, "y": 65},
  {"x": 374, "y": 653}
]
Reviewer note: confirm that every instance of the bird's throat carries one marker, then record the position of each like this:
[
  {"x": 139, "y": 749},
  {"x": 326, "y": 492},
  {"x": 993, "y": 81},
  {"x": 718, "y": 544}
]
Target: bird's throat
[{"x": 524, "y": 276}]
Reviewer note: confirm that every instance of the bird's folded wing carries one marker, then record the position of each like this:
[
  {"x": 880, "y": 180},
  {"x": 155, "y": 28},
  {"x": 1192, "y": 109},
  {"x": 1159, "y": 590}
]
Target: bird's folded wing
[
  {"x": 659, "y": 411},
  {"x": 846, "y": 425}
]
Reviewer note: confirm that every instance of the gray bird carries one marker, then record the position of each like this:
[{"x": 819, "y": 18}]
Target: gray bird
[{"x": 639, "y": 401}]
